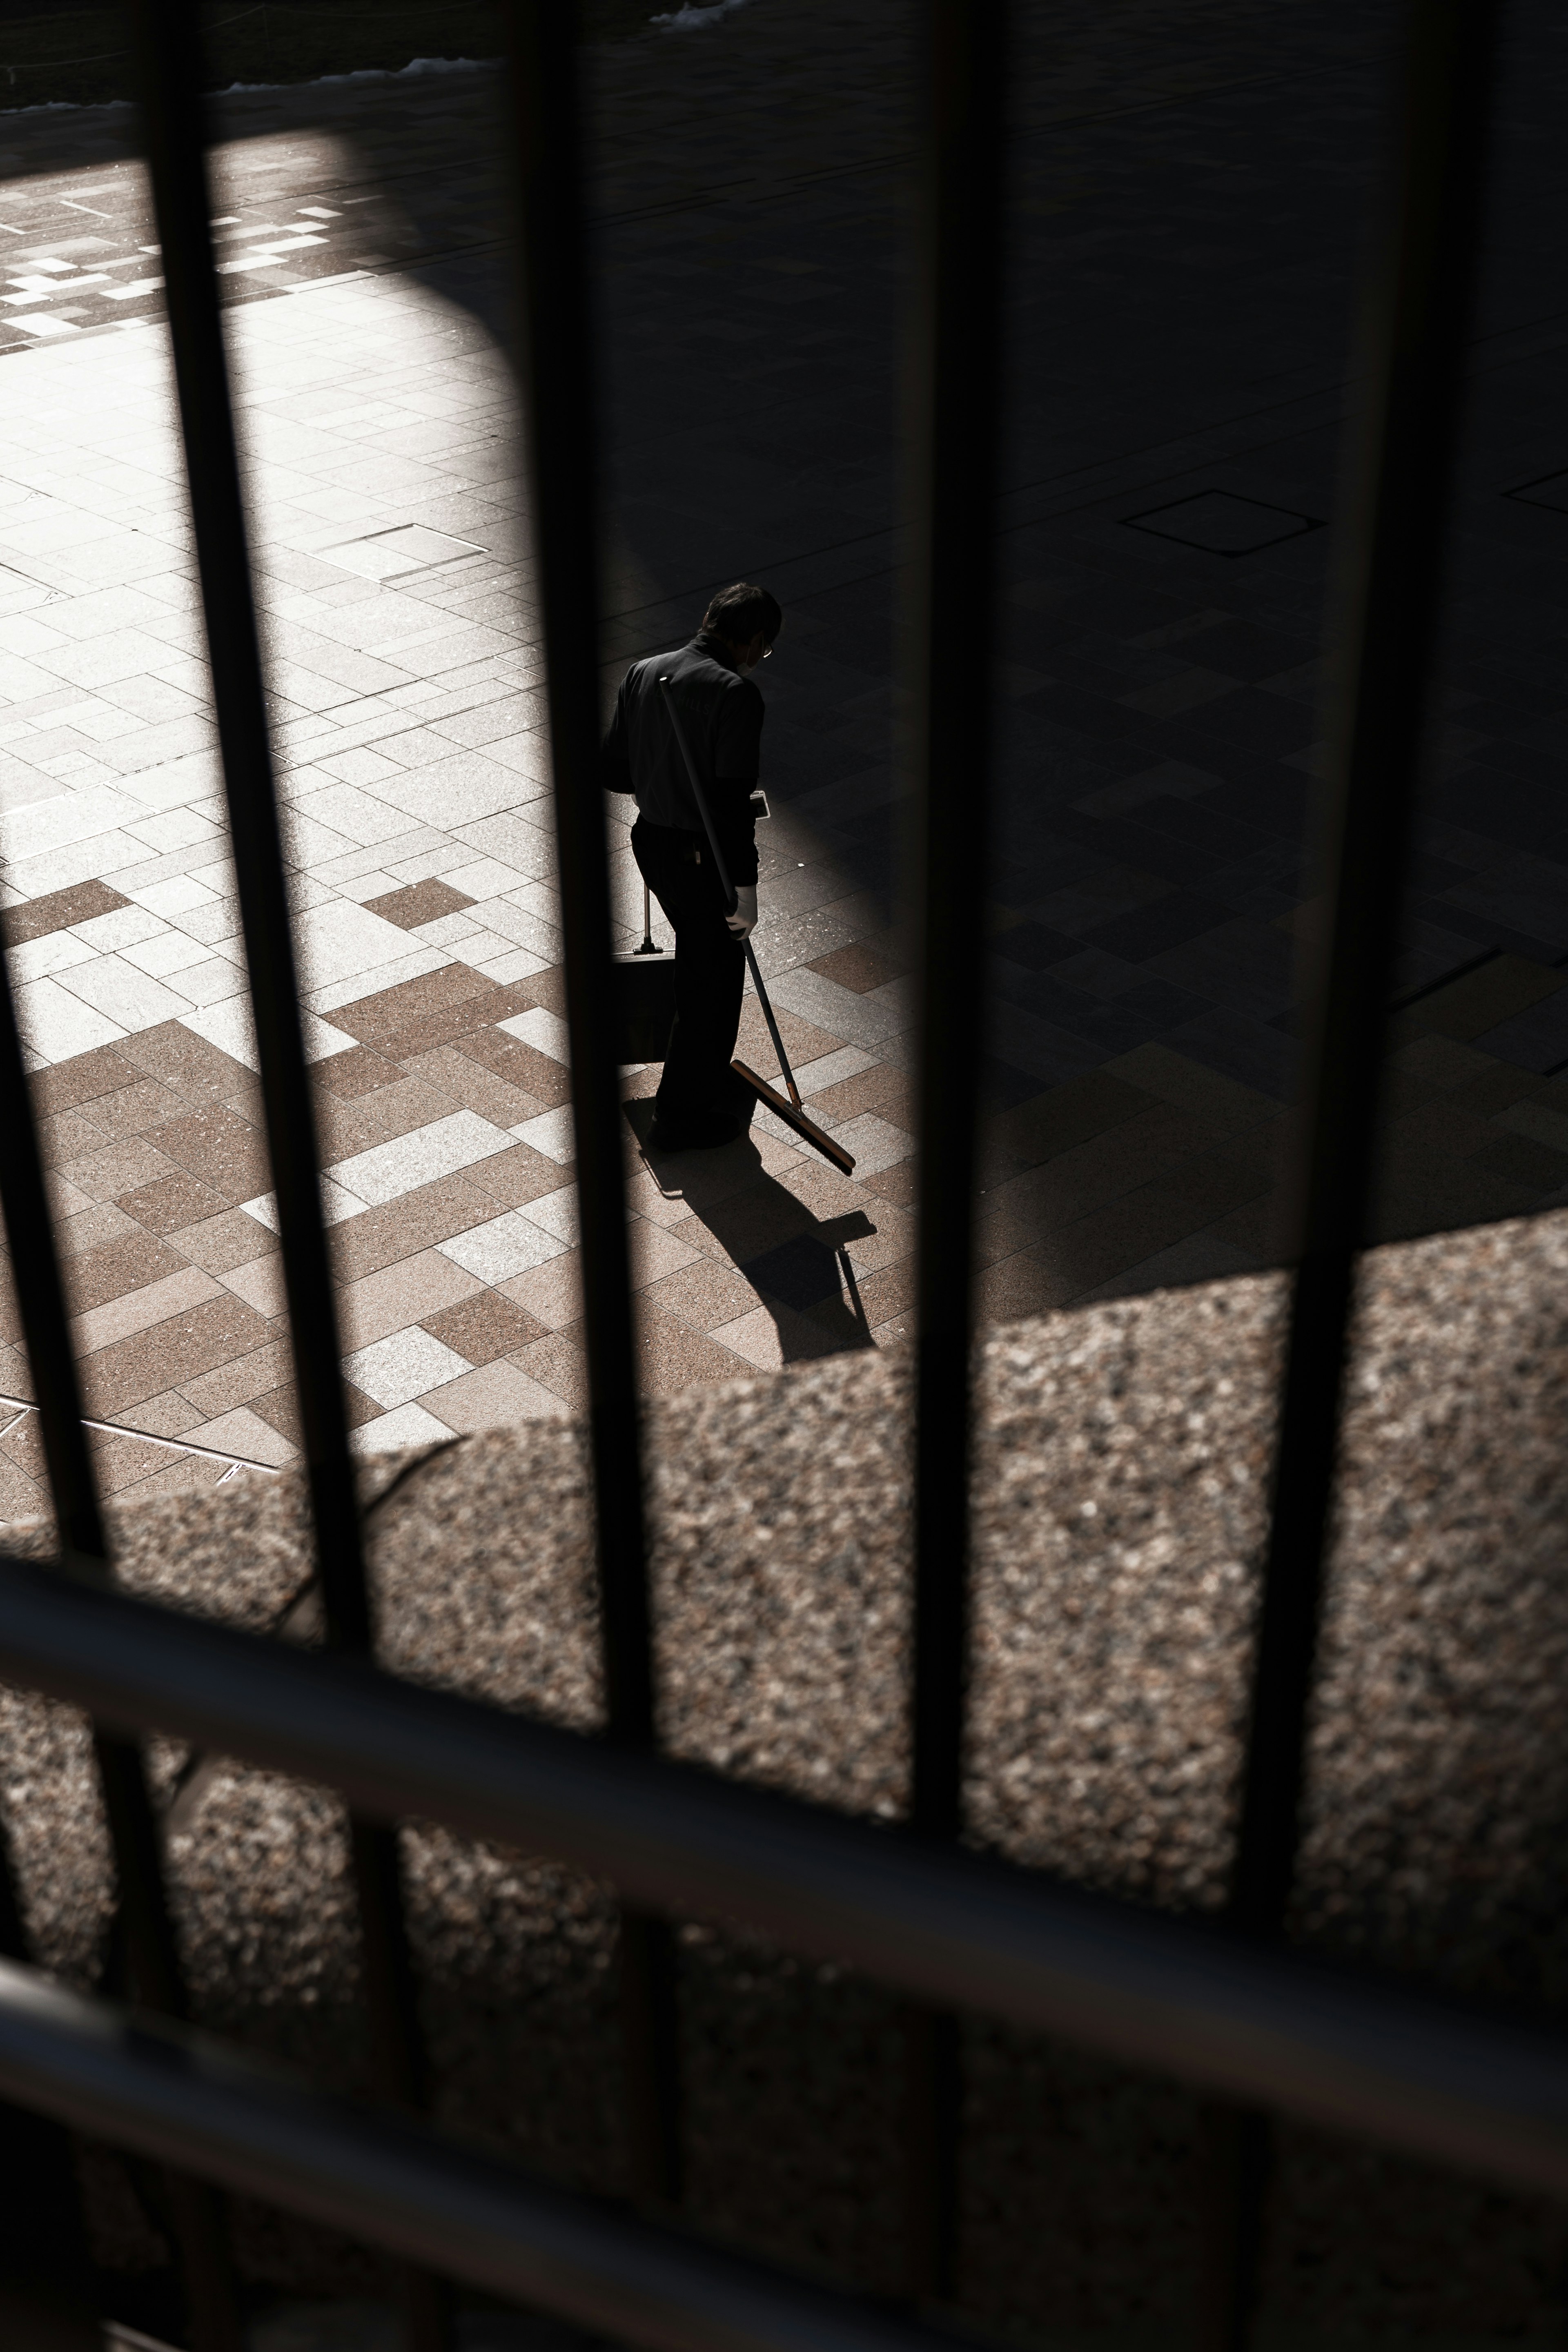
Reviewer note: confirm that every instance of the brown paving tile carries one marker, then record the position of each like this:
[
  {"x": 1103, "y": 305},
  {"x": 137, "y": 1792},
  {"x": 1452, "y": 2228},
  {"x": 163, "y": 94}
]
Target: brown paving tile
[
  {"x": 529, "y": 1071},
  {"x": 90, "y": 1228},
  {"x": 889, "y": 1093},
  {"x": 803, "y": 1041},
  {"x": 221, "y": 1149},
  {"x": 1092, "y": 1249},
  {"x": 508, "y": 1057},
  {"x": 66, "y": 1200},
  {"x": 58, "y": 909},
  {"x": 218, "y": 1243},
  {"x": 97, "y": 1275},
  {"x": 10, "y": 1313},
  {"x": 445, "y": 1023},
  {"x": 1059, "y": 1118},
  {"x": 558, "y": 1363},
  {"x": 418, "y": 902},
  {"x": 702, "y": 1294},
  {"x": 552, "y": 1292},
  {"x": 398, "y": 1109},
  {"x": 1478, "y": 999},
  {"x": 358, "y": 1072},
  {"x": 432, "y": 1214},
  {"x": 387, "y": 1011},
  {"x": 259, "y": 1282},
  {"x": 745, "y": 1225},
  {"x": 168, "y": 1415},
  {"x": 772, "y": 1336},
  {"x": 832, "y": 1196},
  {"x": 67, "y": 1135},
  {"x": 547, "y": 988},
  {"x": 1021, "y": 1285},
  {"x": 655, "y": 1251},
  {"x": 1520, "y": 1160},
  {"x": 401, "y": 1293},
  {"x": 197, "y": 1071},
  {"x": 483, "y": 1327},
  {"x": 117, "y": 1169},
  {"x": 16, "y": 1373},
  {"x": 123, "y": 1461},
  {"x": 173, "y": 1201},
  {"x": 900, "y": 1183},
  {"x": 82, "y": 1078},
  {"x": 346, "y": 1126},
  {"x": 177, "y": 1477},
  {"x": 493, "y": 1395},
  {"x": 133, "y": 1110},
  {"x": 247, "y": 1374},
  {"x": 279, "y": 1408},
  {"x": 888, "y": 1292},
  {"x": 171, "y": 1354},
  {"x": 511, "y": 1178},
  {"x": 470, "y": 1080},
  {"x": 21, "y": 1496},
  {"x": 860, "y": 967}
]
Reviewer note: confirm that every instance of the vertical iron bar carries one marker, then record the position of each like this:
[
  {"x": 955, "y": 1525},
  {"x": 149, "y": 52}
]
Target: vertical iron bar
[
  {"x": 128, "y": 1802},
  {"x": 1416, "y": 329},
  {"x": 556, "y": 373},
  {"x": 957, "y": 392},
  {"x": 168, "y": 41},
  {"x": 1398, "y": 528}
]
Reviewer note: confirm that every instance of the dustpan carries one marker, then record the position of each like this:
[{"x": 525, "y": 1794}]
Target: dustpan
[
  {"x": 790, "y": 1110},
  {"x": 645, "y": 996}
]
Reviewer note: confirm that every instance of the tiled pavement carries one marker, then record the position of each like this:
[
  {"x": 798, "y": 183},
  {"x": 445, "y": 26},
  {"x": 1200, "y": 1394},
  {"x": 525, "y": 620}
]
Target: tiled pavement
[{"x": 1161, "y": 682}]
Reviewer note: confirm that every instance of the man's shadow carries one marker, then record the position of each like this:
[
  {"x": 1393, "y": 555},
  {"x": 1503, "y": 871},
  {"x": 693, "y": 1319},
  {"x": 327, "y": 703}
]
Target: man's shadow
[{"x": 798, "y": 1264}]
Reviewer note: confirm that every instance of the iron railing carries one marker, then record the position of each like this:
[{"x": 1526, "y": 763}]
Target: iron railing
[{"x": 1228, "y": 2007}]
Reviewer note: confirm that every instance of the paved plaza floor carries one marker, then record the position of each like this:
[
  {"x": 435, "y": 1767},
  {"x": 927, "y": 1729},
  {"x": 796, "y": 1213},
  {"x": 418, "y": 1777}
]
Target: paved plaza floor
[{"x": 1189, "y": 199}]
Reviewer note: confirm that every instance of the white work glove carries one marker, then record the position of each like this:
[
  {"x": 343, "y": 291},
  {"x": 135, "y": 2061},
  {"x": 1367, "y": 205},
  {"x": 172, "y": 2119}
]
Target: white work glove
[{"x": 743, "y": 921}]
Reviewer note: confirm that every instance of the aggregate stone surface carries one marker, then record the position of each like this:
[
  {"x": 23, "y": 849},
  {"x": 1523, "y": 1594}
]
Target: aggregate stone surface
[{"x": 1119, "y": 1508}]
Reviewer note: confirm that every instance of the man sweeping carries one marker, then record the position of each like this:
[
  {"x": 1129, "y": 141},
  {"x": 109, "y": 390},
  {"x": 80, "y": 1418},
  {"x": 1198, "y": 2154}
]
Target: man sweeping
[{"x": 696, "y": 1107}]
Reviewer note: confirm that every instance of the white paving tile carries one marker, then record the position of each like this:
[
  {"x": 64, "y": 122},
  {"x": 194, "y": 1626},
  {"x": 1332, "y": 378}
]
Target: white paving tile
[
  {"x": 397, "y": 1369},
  {"x": 55, "y": 1025},
  {"x": 553, "y": 1133},
  {"x": 341, "y": 940},
  {"x": 56, "y": 951},
  {"x": 546, "y": 1032},
  {"x": 180, "y": 895},
  {"x": 815, "y": 1077},
  {"x": 874, "y": 1143},
  {"x": 507, "y": 1245},
  {"x": 164, "y": 952},
  {"x": 131, "y": 997},
  {"x": 557, "y": 1213},
  {"x": 387, "y": 1170},
  {"x": 409, "y": 1425},
  {"x": 122, "y": 928}
]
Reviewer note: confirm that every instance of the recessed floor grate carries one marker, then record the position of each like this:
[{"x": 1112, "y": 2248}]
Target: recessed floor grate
[
  {"x": 407, "y": 547},
  {"x": 1223, "y": 524}
]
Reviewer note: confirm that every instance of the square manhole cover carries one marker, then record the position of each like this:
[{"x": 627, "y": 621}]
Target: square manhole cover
[
  {"x": 1223, "y": 524},
  {"x": 407, "y": 547}
]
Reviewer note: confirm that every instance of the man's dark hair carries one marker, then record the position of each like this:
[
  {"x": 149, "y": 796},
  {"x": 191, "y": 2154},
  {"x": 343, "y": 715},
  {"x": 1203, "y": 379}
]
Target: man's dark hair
[{"x": 737, "y": 613}]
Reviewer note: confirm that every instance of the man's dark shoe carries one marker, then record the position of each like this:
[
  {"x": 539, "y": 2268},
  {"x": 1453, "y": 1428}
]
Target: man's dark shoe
[{"x": 693, "y": 1135}]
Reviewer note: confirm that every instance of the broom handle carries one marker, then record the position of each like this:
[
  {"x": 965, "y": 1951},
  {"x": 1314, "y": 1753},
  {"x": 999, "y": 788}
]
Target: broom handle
[{"x": 727, "y": 887}]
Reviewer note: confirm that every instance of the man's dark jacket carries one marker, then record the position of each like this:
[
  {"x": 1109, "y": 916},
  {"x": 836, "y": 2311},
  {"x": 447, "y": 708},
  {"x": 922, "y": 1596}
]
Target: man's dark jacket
[{"x": 722, "y": 715}]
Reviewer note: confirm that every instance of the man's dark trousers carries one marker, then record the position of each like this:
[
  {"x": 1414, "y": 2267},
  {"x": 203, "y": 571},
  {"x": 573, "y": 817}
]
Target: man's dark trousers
[{"x": 709, "y": 976}]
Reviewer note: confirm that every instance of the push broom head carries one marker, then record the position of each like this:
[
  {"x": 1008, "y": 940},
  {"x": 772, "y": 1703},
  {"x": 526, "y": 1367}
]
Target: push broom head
[{"x": 795, "y": 1119}]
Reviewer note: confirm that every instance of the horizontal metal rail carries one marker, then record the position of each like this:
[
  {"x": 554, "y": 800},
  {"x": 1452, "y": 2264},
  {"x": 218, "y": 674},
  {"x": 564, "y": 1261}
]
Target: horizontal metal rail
[
  {"x": 177, "y": 2095},
  {"x": 1267, "y": 2025}
]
